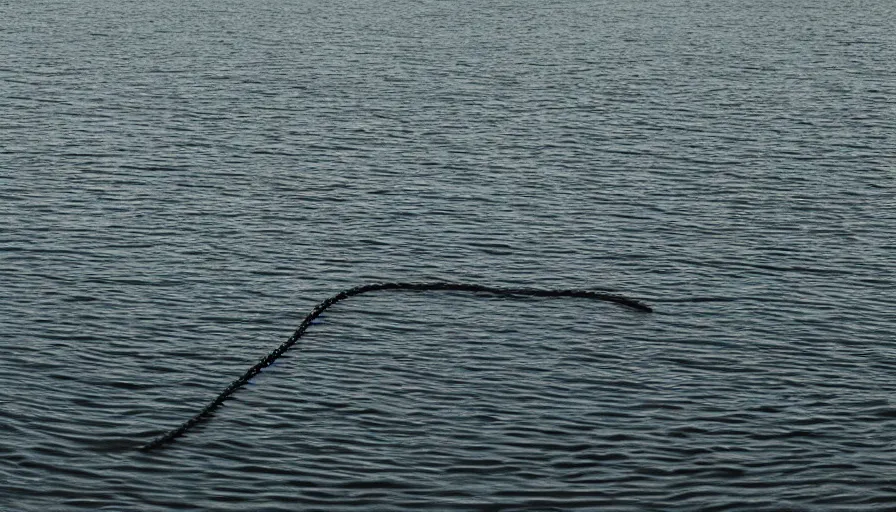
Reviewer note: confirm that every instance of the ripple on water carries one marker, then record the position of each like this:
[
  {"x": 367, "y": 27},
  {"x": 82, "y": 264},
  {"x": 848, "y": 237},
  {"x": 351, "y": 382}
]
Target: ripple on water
[{"x": 186, "y": 180}]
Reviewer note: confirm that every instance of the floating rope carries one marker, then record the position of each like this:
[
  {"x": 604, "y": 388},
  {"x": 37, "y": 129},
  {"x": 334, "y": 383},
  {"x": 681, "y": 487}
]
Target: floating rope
[{"x": 351, "y": 292}]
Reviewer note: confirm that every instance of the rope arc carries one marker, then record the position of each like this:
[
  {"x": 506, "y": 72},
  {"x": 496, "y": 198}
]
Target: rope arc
[{"x": 322, "y": 306}]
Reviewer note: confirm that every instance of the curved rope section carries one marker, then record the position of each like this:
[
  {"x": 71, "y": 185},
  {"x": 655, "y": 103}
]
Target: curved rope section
[{"x": 351, "y": 292}]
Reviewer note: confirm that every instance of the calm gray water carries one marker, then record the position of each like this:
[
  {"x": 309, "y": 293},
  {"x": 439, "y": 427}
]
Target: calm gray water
[{"x": 180, "y": 182}]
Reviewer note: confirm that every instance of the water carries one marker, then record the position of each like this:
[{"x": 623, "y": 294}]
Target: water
[{"x": 181, "y": 182}]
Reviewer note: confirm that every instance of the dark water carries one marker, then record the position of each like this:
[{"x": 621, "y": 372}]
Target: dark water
[{"x": 180, "y": 182}]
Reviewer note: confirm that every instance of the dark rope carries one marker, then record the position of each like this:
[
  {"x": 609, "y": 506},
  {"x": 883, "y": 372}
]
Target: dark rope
[{"x": 351, "y": 292}]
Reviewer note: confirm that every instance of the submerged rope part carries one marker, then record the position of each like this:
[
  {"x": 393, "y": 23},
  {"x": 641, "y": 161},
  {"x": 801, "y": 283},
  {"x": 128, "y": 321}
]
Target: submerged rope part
[{"x": 351, "y": 292}]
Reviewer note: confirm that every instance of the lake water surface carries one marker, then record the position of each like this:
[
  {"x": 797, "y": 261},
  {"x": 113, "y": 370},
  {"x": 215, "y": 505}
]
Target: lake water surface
[{"x": 181, "y": 182}]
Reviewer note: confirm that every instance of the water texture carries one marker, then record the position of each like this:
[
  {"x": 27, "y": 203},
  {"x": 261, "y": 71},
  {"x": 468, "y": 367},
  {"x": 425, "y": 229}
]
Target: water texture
[{"x": 181, "y": 182}]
